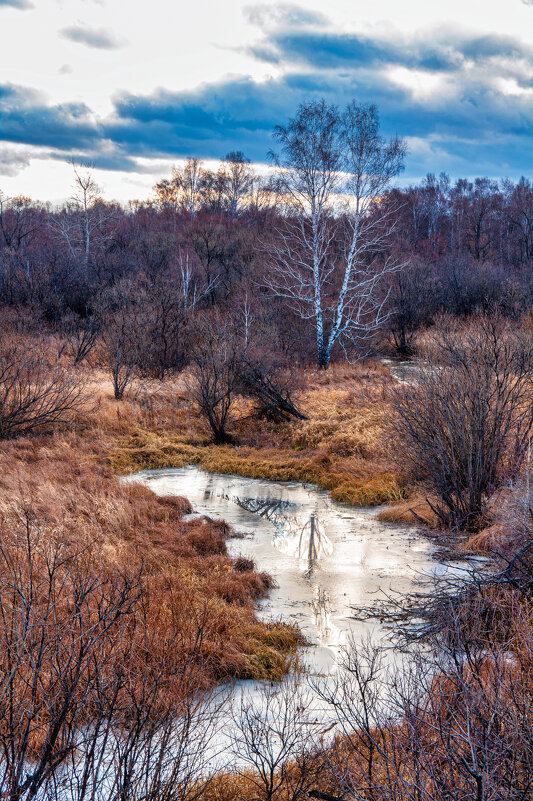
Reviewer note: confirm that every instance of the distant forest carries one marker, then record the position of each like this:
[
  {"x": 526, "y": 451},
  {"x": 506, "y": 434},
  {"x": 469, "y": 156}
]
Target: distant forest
[{"x": 231, "y": 245}]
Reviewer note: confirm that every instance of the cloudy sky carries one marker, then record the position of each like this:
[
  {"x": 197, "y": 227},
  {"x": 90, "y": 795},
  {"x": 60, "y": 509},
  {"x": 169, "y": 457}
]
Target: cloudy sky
[{"x": 133, "y": 87}]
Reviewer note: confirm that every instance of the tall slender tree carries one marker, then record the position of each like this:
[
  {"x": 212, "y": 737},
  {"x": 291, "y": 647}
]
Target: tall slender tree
[{"x": 333, "y": 169}]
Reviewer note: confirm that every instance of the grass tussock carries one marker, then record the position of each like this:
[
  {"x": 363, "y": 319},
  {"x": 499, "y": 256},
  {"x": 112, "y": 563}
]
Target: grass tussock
[
  {"x": 412, "y": 510},
  {"x": 342, "y": 447}
]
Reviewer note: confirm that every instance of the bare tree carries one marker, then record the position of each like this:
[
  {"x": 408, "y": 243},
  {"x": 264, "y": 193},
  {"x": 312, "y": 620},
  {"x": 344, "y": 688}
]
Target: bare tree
[
  {"x": 412, "y": 302},
  {"x": 82, "y": 332},
  {"x": 35, "y": 393},
  {"x": 308, "y": 176},
  {"x": 271, "y": 387},
  {"x": 369, "y": 163},
  {"x": 185, "y": 188},
  {"x": 86, "y": 192},
  {"x": 82, "y": 221},
  {"x": 217, "y": 361},
  {"x": 120, "y": 310},
  {"x": 237, "y": 180},
  {"x": 165, "y": 305},
  {"x": 272, "y": 741},
  {"x": 325, "y": 267},
  {"x": 357, "y": 760},
  {"x": 465, "y": 422},
  {"x": 17, "y": 220}
]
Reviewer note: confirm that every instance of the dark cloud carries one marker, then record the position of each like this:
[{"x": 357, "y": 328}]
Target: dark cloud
[
  {"x": 98, "y": 38},
  {"x": 469, "y": 128},
  {"x": 70, "y": 130},
  {"x": 462, "y": 100},
  {"x": 447, "y": 51},
  {"x": 22, "y": 4},
  {"x": 26, "y": 118},
  {"x": 232, "y": 115}
]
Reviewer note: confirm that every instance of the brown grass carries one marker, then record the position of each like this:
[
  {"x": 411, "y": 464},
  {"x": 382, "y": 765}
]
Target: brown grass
[
  {"x": 75, "y": 495},
  {"x": 342, "y": 447},
  {"x": 413, "y": 510},
  {"x": 70, "y": 481}
]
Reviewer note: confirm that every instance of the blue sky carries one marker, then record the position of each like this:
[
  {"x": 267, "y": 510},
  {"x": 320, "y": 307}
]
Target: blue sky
[{"x": 136, "y": 87}]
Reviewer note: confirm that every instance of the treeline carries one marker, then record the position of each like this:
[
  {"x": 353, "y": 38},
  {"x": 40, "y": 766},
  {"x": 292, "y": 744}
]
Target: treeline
[{"x": 204, "y": 243}]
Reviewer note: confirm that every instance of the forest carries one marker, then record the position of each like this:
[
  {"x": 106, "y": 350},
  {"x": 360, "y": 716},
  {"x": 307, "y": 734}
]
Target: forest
[{"x": 318, "y": 322}]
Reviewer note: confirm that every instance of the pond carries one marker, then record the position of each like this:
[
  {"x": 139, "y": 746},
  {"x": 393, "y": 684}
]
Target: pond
[{"x": 328, "y": 559}]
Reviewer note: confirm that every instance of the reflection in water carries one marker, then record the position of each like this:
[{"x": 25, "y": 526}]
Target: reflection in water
[
  {"x": 321, "y": 609},
  {"x": 273, "y": 509},
  {"x": 328, "y": 559},
  {"x": 303, "y": 540}
]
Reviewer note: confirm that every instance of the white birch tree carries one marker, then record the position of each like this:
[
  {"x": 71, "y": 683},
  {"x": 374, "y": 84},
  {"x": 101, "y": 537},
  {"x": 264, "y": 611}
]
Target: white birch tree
[
  {"x": 237, "y": 179},
  {"x": 334, "y": 169},
  {"x": 83, "y": 221}
]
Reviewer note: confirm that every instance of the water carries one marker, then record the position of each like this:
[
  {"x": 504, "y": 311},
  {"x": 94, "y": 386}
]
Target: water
[{"x": 328, "y": 559}]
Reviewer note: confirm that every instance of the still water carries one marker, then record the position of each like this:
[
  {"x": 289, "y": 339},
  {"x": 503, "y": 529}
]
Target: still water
[{"x": 328, "y": 559}]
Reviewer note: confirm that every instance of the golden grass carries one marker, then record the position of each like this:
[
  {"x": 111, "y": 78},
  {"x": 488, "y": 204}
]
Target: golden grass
[
  {"x": 412, "y": 510},
  {"x": 342, "y": 446},
  {"x": 75, "y": 496}
]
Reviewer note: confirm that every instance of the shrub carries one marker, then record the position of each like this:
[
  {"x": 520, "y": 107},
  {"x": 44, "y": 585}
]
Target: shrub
[
  {"x": 35, "y": 393},
  {"x": 464, "y": 423},
  {"x": 216, "y": 364}
]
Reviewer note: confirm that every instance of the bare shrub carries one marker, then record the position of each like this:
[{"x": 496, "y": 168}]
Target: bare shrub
[
  {"x": 464, "y": 422},
  {"x": 82, "y": 334},
  {"x": 94, "y": 702},
  {"x": 272, "y": 388},
  {"x": 57, "y": 622},
  {"x": 35, "y": 392},
  {"x": 121, "y": 334},
  {"x": 217, "y": 361},
  {"x": 272, "y": 740},
  {"x": 456, "y": 726}
]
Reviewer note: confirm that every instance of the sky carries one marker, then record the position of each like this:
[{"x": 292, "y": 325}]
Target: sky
[{"x": 134, "y": 88}]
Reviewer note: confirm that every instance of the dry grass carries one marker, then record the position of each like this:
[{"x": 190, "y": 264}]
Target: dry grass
[
  {"x": 73, "y": 495},
  {"x": 413, "y": 510},
  {"x": 70, "y": 481},
  {"x": 342, "y": 447}
]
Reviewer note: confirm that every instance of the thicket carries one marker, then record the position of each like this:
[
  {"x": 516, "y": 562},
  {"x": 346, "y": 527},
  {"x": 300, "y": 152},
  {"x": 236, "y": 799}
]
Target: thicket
[
  {"x": 137, "y": 295},
  {"x": 465, "y": 418}
]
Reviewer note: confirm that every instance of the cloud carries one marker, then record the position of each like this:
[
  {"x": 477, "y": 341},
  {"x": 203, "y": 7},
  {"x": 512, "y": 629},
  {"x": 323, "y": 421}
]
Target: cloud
[
  {"x": 275, "y": 15},
  {"x": 463, "y": 100},
  {"x": 13, "y": 161},
  {"x": 98, "y": 38},
  {"x": 69, "y": 130},
  {"x": 474, "y": 128},
  {"x": 445, "y": 50},
  {"x": 22, "y": 4},
  {"x": 26, "y": 118}
]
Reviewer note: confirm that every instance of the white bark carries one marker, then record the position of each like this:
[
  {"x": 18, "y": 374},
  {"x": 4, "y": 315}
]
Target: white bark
[{"x": 324, "y": 264}]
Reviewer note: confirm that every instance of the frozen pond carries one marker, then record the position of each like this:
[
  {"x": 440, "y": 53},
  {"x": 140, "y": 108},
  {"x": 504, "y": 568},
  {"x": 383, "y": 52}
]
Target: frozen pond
[{"x": 327, "y": 558}]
